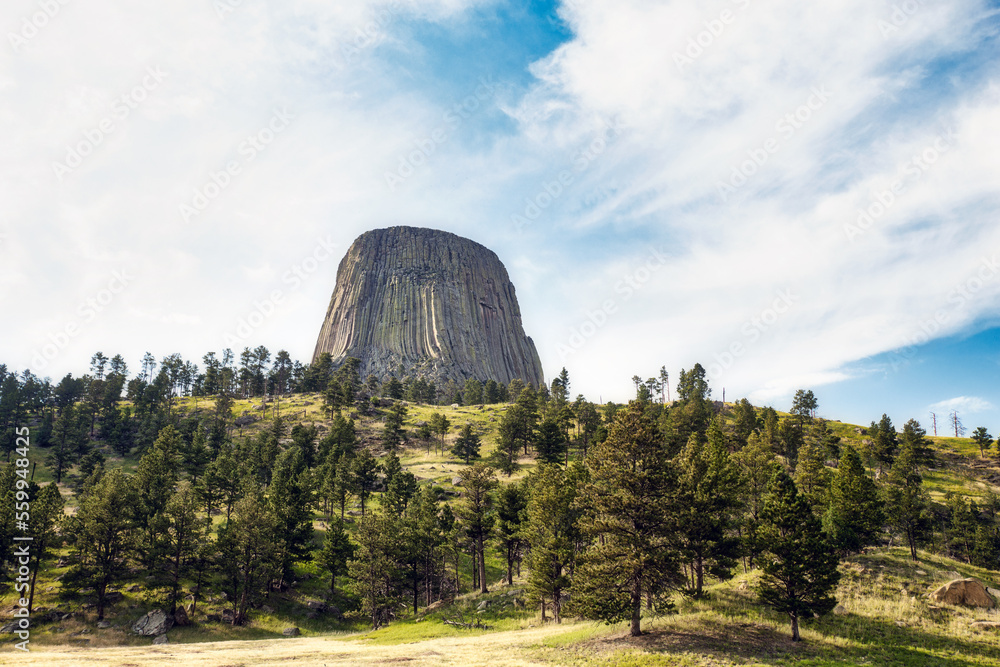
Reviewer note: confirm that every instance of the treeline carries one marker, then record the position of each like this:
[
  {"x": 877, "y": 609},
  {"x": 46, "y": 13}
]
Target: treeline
[
  {"x": 77, "y": 411},
  {"x": 626, "y": 507}
]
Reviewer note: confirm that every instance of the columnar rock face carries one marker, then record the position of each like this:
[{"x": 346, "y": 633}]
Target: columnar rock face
[{"x": 439, "y": 305}]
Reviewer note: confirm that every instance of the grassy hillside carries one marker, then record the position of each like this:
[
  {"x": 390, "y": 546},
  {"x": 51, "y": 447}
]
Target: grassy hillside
[{"x": 884, "y": 618}]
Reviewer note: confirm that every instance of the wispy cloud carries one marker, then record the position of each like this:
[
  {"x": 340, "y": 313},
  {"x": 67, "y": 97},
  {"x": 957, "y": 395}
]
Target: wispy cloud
[{"x": 964, "y": 404}]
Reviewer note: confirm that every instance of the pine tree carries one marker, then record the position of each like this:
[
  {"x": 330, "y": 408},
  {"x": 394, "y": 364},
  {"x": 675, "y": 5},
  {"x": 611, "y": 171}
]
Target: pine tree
[
  {"x": 184, "y": 534},
  {"x": 907, "y": 504},
  {"x": 250, "y": 548},
  {"x": 799, "y": 567},
  {"x": 511, "y": 516},
  {"x": 474, "y": 510},
  {"x": 812, "y": 477},
  {"x": 630, "y": 513},
  {"x": 706, "y": 501},
  {"x": 553, "y": 533},
  {"x": 550, "y": 442},
  {"x": 290, "y": 501},
  {"x": 375, "y": 566},
  {"x": 337, "y": 551},
  {"x": 854, "y": 515},
  {"x": 915, "y": 438},
  {"x": 757, "y": 465},
  {"x": 104, "y": 533},
  {"x": 982, "y": 438},
  {"x": 45, "y": 521},
  {"x": 467, "y": 445}
]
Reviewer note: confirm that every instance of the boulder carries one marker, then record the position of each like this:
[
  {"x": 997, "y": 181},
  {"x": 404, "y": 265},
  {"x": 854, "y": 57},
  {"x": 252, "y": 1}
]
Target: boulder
[
  {"x": 965, "y": 592},
  {"x": 228, "y": 615},
  {"x": 9, "y": 628},
  {"x": 161, "y": 639},
  {"x": 103, "y": 625},
  {"x": 156, "y": 622},
  {"x": 316, "y": 605},
  {"x": 181, "y": 617},
  {"x": 291, "y": 632},
  {"x": 456, "y": 481}
]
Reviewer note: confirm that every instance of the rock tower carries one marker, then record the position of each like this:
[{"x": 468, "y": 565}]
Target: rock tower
[{"x": 439, "y": 305}]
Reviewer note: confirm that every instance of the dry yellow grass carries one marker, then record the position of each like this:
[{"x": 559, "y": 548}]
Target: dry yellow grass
[{"x": 501, "y": 649}]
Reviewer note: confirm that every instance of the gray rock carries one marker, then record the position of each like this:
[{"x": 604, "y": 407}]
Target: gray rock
[
  {"x": 9, "y": 628},
  {"x": 161, "y": 639},
  {"x": 103, "y": 625},
  {"x": 456, "y": 481},
  {"x": 291, "y": 632},
  {"x": 440, "y": 305},
  {"x": 181, "y": 617},
  {"x": 156, "y": 622},
  {"x": 316, "y": 605}
]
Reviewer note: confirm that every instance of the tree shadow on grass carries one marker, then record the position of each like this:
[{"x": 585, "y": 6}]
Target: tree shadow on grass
[{"x": 881, "y": 642}]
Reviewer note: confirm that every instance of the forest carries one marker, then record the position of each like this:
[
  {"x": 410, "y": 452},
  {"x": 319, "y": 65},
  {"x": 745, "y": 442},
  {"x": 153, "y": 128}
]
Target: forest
[{"x": 606, "y": 512}]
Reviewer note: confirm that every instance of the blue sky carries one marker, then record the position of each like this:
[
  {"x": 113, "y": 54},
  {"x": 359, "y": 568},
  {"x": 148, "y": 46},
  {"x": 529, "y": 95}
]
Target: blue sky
[{"x": 793, "y": 198}]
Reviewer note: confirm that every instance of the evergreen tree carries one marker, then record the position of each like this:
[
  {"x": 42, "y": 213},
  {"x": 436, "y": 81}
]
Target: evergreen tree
[
  {"x": 337, "y": 551},
  {"x": 392, "y": 432},
  {"x": 440, "y": 424},
  {"x": 104, "y": 533},
  {"x": 375, "y": 567},
  {"x": 467, "y": 445},
  {"x": 630, "y": 512},
  {"x": 799, "y": 568},
  {"x": 553, "y": 532},
  {"x": 290, "y": 502},
  {"x": 474, "y": 510},
  {"x": 745, "y": 421},
  {"x": 473, "y": 392},
  {"x": 399, "y": 491},
  {"x": 981, "y": 437},
  {"x": 707, "y": 499},
  {"x": 511, "y": 516},
  {"x": 757, "y": 465},
  {"x": 550, "y": 442},
  {"x": 250, "y": 548},
  {"x": 514, "y": 433},
  {"x": 907, "y": 504},
  {"x": 364, "y": 475},
  {"x": 854, "y": 516},
  {"x": 44, "y": 523},
  {"x": 184, "y": 534},
  {"x": 812, "y": 477},
  {"x": 915, "y": 438}
]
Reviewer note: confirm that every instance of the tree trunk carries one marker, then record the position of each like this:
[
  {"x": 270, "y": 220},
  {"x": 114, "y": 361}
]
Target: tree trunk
[
  {"x": 795, "y": 628},
  {"x": 634, "y": 629},
  {"x": 482, "y": 566}
]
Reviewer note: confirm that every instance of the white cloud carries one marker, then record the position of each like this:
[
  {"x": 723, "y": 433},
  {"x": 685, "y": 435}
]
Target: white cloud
[{"x": 964, "y": 405}]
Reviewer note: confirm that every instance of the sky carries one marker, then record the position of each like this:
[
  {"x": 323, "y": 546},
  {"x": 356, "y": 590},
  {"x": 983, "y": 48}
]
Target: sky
[{"x": 795, "y": 195}]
